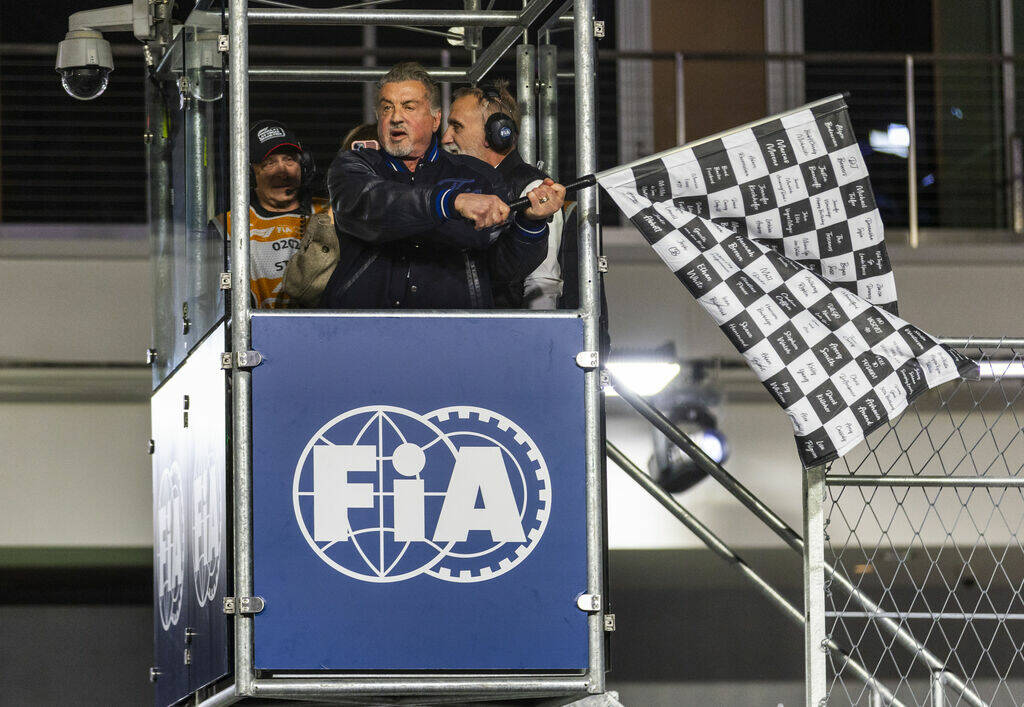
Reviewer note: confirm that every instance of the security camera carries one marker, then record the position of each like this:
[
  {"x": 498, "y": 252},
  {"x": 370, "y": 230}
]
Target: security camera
[{"x": 84, "y": 62}]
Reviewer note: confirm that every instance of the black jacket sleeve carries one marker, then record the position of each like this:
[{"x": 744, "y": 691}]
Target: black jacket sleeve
[
  {"x": 517, "y": 253},
  {"x": 375, "y": 210}
]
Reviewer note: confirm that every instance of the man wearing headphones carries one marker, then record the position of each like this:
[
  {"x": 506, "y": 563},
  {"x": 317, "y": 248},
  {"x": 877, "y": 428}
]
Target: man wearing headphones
[
  {"x": 483, "y": 122},
  {"x": 419, "y": 228},
  {"x": 280, "y": 207}
]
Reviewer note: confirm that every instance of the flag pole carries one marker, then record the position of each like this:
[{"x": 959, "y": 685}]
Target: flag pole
[{"x": 588, "y": 180}]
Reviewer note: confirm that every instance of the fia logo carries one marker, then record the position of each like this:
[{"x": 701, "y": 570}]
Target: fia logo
[
  {"x": 207, "y": 529},
  {"x": 383, "y": 494},
  {"x": 170, "y": 535}
]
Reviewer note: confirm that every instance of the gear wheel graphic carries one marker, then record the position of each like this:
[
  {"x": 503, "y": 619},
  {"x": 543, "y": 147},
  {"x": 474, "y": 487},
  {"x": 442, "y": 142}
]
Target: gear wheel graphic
[{"x": 479, "y": 559}]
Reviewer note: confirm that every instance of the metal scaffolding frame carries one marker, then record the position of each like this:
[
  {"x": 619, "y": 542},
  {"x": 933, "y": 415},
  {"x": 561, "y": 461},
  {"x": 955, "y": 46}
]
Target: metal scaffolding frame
[
  {"x": 244, "y": 682},
  {"x": 537, "y": 77}
]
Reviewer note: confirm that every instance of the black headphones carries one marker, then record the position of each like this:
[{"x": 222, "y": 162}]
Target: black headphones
[
  {"x": 308, "y": 177},
  {"x": 500, "y": 132},
  {"x": 307, "y": 171}
]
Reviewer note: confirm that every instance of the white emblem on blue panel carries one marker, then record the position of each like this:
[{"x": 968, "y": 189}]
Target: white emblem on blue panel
[
  {"x": 207, "y": 530},
  {"x": 170, "y": 547},
  {"x": 384, "y": 494}
]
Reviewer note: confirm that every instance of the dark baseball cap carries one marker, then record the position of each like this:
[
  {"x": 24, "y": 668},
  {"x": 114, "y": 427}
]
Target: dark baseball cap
[{"x": 267, "y": 136}]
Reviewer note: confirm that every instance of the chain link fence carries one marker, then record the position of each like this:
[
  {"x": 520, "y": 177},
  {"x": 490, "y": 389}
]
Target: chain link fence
[{"x": 927, "y": 520}]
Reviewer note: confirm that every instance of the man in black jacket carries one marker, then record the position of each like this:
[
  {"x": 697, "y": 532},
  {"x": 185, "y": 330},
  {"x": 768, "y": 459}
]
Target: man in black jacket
[
  {"x": 484, "y": 122},
  {"x": 419, "y": 228}
]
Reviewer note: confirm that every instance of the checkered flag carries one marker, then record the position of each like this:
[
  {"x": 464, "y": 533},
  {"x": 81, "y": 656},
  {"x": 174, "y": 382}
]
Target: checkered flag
[
  {"x": 796, "y": 182},
  {"x": 773, "y": 229}
]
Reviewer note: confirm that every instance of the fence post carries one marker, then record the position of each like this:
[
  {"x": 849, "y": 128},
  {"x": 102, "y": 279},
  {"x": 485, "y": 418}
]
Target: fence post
[
  {"x": 1017, "y": 182},
  {"x": 938, "y": 682},
  {"x": 912, "y": 233},
  {"x": 814, "y": 586},
  {"x": 680, "y": 101}
]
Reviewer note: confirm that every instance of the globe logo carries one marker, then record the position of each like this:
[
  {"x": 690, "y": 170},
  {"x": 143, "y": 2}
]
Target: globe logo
[
  {"x": 384, "y": 494},
  {"x": 170, "y": 547},
  {"x": 207, "y": 530}
]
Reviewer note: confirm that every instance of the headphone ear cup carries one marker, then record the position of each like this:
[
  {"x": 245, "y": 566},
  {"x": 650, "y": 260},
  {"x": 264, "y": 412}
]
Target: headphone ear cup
[
  {"x": 307, "y": 170},
  {"x": 500, "y": 132}
]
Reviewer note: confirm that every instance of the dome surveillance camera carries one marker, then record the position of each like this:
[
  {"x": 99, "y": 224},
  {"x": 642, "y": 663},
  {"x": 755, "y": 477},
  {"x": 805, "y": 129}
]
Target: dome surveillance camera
[{"x": 84, "y": 62}]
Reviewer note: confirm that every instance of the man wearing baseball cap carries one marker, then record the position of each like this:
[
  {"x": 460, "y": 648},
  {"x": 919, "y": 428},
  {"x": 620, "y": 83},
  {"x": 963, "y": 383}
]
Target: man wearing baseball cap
[{"x": 280, "y": 207}]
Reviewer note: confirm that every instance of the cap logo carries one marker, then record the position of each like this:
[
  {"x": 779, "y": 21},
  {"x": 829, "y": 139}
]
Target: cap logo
[{"x": 269, "y": 133}]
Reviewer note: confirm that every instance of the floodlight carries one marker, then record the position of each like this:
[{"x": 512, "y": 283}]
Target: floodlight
[{"x": 671, "y": 467}]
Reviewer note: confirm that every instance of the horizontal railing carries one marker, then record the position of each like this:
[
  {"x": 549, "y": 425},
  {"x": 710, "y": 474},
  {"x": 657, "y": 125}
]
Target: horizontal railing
[{"x": 939, "y": 131}]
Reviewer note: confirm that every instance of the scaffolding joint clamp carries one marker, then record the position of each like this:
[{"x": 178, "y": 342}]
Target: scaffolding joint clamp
[
  {"x": 590, "y": 603},
  {"x": 609, "y": 623},
  {"x": 244, "y": 360},
  {"x": 225, "y": 281},
  {"x": 245, "y": 606},
  {"x": 602, "y": 263},
  {"x": 222, "y": 43},
  {"x": 587, "y": 360}
]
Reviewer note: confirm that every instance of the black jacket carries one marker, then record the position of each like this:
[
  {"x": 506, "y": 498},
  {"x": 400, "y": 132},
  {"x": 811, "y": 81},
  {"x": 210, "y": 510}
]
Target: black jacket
[
  {"x": 518, "y": 174},
  {"x": 403, "y": 246}
]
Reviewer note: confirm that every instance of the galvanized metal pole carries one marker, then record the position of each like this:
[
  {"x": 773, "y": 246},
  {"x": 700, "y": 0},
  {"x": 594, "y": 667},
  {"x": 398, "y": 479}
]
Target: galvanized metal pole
[
  {"x": 590, "y": 312},
  {"x": 526, "y": 64},
  {"x": 547, "y": 70},
  {"x": 369, "y": 60},
  {"x": 938, "y": 694},
  {"x": 912, "y": 233},
  {"x": 815, "y": 680},
  {"x": 1009, "y": 101},
  {"x": 901, "y": 481},
  {"x": 365, "y": 16},
  {"x": 241, "y": 420},
  {"x": 201, "y": 282},
  {"x": 446, "y": 689},
  {"x": 1016, "y": 147},
  {"x": 446, "y": 90},
  {"x": 472, "y": 37},
  {"x": 317, "y": 74},
  {"x": 680, "y": 100}
]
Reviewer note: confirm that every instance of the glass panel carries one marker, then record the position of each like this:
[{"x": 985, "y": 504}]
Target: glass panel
[
  {"x": 204, "y": 113},
  {"x": 189, "y": 170}
]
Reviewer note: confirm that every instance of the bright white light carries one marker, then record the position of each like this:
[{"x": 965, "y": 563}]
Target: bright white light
[
  {"x": 894, "y": 141},
  {"x": 711, "y": 442},
  {"x": 899, "y": 135},
  {"x": 643, "y": 377},
  {"x": 1001, "y": 369}
]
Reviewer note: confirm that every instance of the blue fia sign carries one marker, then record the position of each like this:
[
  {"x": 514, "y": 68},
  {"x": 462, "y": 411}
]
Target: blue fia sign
[{"x": 419, "y": 493}]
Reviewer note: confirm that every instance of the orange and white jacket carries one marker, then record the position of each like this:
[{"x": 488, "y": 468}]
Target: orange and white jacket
[{"x": 273, "y": 239}]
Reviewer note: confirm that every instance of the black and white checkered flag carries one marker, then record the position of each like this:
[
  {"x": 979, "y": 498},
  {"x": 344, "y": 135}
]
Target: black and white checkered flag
[{"x": 773, "y": 228}]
